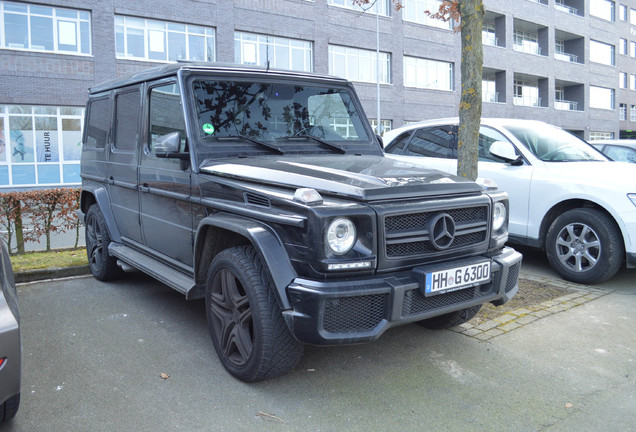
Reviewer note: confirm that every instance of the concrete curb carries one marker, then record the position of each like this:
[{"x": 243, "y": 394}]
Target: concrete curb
[{"x": 51, "y": 273}]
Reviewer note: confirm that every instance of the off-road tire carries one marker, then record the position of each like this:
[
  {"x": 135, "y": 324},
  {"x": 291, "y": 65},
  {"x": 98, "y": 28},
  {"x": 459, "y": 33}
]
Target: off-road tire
[
  {"x": 102, "y": 265},
  {"x": 245, "y": 322},
  {"x": 9, "y": 408},
  {"x": 570, "y": 246},
  {"x": 451, "y": 319}
]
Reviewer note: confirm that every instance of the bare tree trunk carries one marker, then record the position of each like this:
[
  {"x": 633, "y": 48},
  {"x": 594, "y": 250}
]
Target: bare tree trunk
[{"x": 472, "y": 15}]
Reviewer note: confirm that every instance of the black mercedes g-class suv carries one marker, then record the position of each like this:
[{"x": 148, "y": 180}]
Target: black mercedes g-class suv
[{"x": 266, "y": 193}]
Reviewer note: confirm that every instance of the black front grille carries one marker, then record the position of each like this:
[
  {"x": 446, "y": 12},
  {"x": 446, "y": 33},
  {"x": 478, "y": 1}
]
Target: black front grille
[
  {"x": 408, "y": 234},
  {"x": 354, "y": 314},
  {"x": 416, "y": 303},
  {"x": 513, "y": 275}
]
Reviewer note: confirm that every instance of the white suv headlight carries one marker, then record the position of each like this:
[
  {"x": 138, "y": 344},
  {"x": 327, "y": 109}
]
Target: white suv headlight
[
  {"x": 341, "y": 236},
  {"x": 499, "y": 215}
]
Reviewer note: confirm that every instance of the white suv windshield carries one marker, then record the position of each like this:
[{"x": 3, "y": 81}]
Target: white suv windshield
[{"x": 552, "y": 144}]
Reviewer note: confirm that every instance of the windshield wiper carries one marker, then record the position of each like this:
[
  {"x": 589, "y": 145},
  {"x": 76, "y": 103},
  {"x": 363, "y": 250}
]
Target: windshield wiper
[
  {"x": 318, "y": 140},
  {"x": 267, "y": 145}
]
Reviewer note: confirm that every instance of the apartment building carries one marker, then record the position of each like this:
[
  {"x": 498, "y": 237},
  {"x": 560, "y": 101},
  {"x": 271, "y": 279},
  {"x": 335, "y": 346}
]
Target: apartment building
[{"x": 568, "y": 62}]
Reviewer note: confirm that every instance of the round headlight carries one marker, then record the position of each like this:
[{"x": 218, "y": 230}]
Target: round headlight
[
  {"x": 499, "y": 216},
  {"x": 341, "y": 236}
]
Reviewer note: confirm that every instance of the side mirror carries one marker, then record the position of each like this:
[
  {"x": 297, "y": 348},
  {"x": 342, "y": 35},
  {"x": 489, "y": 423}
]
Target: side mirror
[
  {"x": 506, "y": 151},
  {"x": 167, "y": 147}
]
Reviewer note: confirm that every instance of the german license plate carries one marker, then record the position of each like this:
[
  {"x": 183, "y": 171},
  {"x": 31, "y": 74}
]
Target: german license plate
[{"x": 457, "y": 278}]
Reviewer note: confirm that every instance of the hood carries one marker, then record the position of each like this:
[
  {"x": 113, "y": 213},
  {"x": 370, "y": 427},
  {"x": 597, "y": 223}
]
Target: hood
[{"x": 358, "y": 177}]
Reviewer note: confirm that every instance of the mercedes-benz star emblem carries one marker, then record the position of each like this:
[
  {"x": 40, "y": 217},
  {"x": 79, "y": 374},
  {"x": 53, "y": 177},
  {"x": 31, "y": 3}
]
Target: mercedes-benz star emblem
[{"x": 441, "y": 229}]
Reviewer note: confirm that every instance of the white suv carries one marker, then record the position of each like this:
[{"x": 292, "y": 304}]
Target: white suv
[{"x": 565, "y": 196}]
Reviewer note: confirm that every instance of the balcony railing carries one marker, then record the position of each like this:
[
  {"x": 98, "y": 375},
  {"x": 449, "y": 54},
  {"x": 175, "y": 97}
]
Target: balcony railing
[
  {"x": 490, "y": 97},
  {"x": 527, "y": 101},
  {"x": 566, "y": 105},
  {"x": 566, "y": 57},
  {"x": 527, "y": 48},
  {"x": 489, "y": 39},
  {"x": 559, "y": 5}
]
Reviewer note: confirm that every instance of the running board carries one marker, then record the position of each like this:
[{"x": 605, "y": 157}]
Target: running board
[{"x": 158, "y": 270}]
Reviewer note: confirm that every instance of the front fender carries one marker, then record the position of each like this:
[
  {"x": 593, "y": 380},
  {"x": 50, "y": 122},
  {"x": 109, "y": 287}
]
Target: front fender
[{"x": 265, "y": 241}]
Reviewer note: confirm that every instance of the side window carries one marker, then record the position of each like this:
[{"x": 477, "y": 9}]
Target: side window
[
  {"x": 399, "y": 144},
  {"x": 127, "y": 116},
  {"x": 98, "y": 122},
  {"x": 433, "y": 142},
  {"x": 620, "y": 153},
  {"x": 487, "y": 136},
  {"x": 166, "y": 114}
]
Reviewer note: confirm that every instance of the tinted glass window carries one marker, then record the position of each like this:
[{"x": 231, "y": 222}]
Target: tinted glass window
[
  {"x": 487, "y": 136},
  {"x": 127, "y": 120},
  {"x": 433, "y": 142},
  {"x": 620, "y": 153},
  {"x": 399, "y": 144},
  {"x": 166, "y": 114},
  {"x": 99, "y": 111}
]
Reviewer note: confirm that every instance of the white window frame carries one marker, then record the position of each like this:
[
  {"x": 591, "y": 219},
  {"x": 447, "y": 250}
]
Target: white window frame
[
  {"x": 385, "y": 6},
  {"x": 622, "y": 112},
  {"x": 622, "y": 46},
  {"x": 60, "y": 114},
  {"x": 345, "y": 61},
  {"x": 164, "y": 28},
  {"x": 598, "y": 93},
  {"x": 622, "y": 80},
  {"x": 622, "y": 12},
  {"x": 425, "y": 74},
  {"x": 415, "y": 11},
  {"x": 603, "y": 9},
  {"x": 83, "y": 19},
  {"x": 632, "y": 113},
  {"x": 526, "y": 93},
  {"x": 526, "y": 42},
  {"x": 258, "y": 49},
  {"x": 489, "y": 89},
  {"x": 600, "y": 51}
]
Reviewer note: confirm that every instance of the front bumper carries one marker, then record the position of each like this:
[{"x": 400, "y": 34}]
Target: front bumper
[{"x": 360, "y": 310}]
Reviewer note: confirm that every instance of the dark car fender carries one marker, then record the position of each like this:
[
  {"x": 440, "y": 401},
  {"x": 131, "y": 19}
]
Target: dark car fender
[
  {"x": 100, "y": 195},
  {"x": 265, "y": 241}
]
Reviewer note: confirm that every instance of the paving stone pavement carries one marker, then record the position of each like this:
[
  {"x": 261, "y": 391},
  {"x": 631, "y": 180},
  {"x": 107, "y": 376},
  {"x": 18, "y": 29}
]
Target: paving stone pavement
[{"x": 523, "y": 316}]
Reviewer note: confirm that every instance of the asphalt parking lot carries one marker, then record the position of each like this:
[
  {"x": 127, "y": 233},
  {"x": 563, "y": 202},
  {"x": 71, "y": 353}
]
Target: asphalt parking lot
[{"x": 134, "y": 355}]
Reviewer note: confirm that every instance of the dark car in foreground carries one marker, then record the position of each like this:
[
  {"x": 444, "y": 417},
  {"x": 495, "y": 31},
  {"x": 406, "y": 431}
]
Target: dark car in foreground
[
  {"x": 267, "y": 194},
  {"x": 10, "y": 342}
]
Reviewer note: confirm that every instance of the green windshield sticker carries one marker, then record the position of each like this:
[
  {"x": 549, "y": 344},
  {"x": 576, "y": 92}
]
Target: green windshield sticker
[{"x": 208, "y": 128}]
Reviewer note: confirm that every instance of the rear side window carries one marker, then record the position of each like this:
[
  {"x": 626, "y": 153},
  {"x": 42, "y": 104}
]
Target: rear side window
[
  {"x": 127, "y": 116},
  {"x": 487, "y": 137},
  {"x": 432, "y": 142},
  {"x": 620, "y": 153},
  {"x": 98, "y": 123}
]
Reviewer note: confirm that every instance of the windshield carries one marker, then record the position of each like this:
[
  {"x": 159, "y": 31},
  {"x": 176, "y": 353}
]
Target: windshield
[
  {"x": 248, "y": 118},
  {"x": 552, "y": 144}
]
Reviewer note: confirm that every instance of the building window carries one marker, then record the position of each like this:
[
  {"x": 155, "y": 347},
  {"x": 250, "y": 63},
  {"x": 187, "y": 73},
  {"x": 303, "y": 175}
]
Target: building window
[
  {"x": 632, "y": 48},
  {"x": 42, "y": 28},
  {"x": 488, "y": 34},
  {"x": 632, "y": 81},
  {"x": 622, "y": 112},
  {"x": 526, "y": 93},
  {"x": 144, "y": 39},
  {"x": 526, "y": 42},
  {"x": 632, "y": 113},
  {"x": 385, "y": 125},
  {"x": 622, "y": 12},
  {"x": 622, "y": 80},
  {"x": 632, "y": 16},
  {"x": 279, "y": 52},
  {"x": 599, "y": 136},
  {"x": 601, "y": 97},
  {"x": 372, "y": 7},
  {"x": 489, "y": 89},
  {"x": 428, "y": 74},
  {"x": 622, "y": 46},
  {"x": 41, "y": 145},
  {"x": 602, "y": 53},
  {"x": 415, "y": 11},
  {"x": 603, "y": 9},
  {"x": 358, "y": 64}
]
